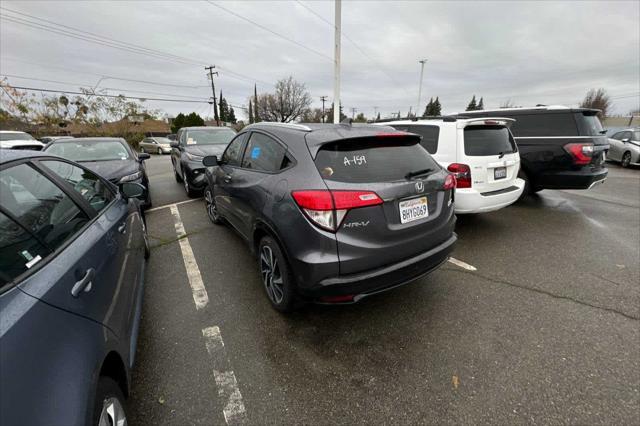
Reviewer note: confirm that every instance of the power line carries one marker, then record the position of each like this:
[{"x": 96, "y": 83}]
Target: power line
[
  {"x": 110, "y": 42},
  {"x": 289, "y": 39}
]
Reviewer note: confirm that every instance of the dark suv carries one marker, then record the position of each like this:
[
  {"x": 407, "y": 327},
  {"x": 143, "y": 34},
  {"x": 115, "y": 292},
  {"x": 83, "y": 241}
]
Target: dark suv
[
  {"x": 560, "y": 147},
  {"x": 334, "y": 212},
  {"x": 192, "y": 144}
]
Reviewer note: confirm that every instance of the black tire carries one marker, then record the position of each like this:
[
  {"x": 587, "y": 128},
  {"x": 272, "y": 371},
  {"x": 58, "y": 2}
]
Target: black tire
[
  {"x": 175, "y": 173},
  {"x": 527, "y": 184},
  {"x": 626, "y": 159},
  {"x": 107, "y": 393},
  {"x": 187, "y": 188},
  {"x": 210, "y": 204},
  {"x": 159, "y": 151},
  {"x": 142, "y": 150},
  {"x": 282, "y": 294}
]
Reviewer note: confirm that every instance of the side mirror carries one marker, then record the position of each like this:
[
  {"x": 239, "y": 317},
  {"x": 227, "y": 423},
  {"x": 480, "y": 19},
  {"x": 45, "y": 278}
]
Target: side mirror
[
  {"x": 143, "y": 156},
  {"x": 174, "y": 144},
  {"x": 210, "y": 161},
  {"x": 625, "y": 140},
  {"x": 132, "y": 190}
]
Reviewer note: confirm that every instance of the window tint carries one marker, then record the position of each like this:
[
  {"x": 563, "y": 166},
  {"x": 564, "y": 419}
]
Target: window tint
[
  {"x": 39, "y": 205},
  {"x": 588, "y": 124},
  {"x": 430, "y": 135},
  {"x": 233, "y": 153},
  {"x": 264, "y": 153},
  {"x": 84, "y": 182},
  {"x": 549, "y": 124},
  {"x": 488, "y": 140},
  {"x": 372, "y": 160}
]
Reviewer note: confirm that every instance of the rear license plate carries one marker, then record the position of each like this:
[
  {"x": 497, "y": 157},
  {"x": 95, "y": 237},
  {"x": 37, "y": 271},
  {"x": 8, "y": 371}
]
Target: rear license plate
[
  {"x": 413, "y": 209},
  {"x": 499, "y": 173}
]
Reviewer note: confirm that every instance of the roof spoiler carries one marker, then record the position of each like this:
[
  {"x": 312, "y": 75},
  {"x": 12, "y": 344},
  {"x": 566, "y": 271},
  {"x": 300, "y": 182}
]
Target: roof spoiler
[{"x": 508, "y": 122}]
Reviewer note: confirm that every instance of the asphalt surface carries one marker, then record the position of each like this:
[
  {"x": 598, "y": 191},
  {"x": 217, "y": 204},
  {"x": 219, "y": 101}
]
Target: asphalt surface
[{"x": 546, "y": 330}]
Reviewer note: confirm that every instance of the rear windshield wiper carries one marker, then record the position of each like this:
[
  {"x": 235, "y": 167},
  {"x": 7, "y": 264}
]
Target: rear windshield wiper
[{"x": 417, "y": 173}]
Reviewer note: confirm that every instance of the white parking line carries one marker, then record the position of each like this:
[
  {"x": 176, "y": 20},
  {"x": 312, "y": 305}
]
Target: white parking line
[
  {"x": 462, "y": 264},
  {"x": 200, "y": 296},
  {"x": 234, "y": 411},
  {"x": 172, "y": 205}
]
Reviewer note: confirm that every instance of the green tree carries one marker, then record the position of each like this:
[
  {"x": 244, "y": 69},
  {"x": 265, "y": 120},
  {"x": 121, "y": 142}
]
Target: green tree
[
  {"x": 360, "y": 118},
  {"x": 378, "y": 117},
  {"x": 232, "y": 116},
  {"x": 436, "y": 109},
  {"x": 256, "y": 115},
  {"x": 177, "y": 123},
  {"x": 480, "y": 104},
  {"x": 472, "y": 105},
  {"x": 250, "y": 112},
  {"x": 429, "y": 109},
  {"x": 221, "y": 108}
]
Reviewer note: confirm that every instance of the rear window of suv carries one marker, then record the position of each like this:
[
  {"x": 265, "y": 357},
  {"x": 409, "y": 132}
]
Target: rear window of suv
[
  {"x": 544, "y": 124},
  {"x": 588, "y": 124},
  {"x": 372, "y": 159},
  {"x": 430, "y": 135},
  {"x": 488, "y": 140}
]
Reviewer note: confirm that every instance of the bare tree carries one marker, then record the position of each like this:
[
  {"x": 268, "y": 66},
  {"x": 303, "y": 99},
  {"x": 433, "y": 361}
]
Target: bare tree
[
  {"x": 597, "y": 99},
  {"x": 289, "y": 102},
  {"x": 507, "y": 104}
]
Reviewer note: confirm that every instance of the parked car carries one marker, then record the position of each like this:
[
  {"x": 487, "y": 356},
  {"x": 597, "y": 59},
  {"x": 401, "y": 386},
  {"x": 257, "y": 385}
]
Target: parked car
[
  {"x": 156, "y": 145},
  {"x": 111, "y": 158},
  {"x": 47, "y": 139},
  {"x": 72, "y": 250},
  {"x": 560, "y": 147},
  {"x": 192, "y": 145},
  {"x": 625, "y": 147},
  {"x": 334, "y": 212},
  {"x": 10, "y": 139},
  {"x": 480, "y": 152}
]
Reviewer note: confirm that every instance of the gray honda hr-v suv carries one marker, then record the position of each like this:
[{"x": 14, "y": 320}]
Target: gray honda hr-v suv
[{"x": 334, "y": 212}]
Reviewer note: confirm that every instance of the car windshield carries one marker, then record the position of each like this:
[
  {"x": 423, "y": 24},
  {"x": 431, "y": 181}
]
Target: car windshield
[
  {"x": 210, "y": 136},
  {"x": 89, "y": 150},
  {"x": 16, "y": 137},
  {"x": 163, "y": 140}
]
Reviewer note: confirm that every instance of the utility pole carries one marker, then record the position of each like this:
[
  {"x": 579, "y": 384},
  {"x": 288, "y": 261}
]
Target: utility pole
[
  {"x": 323, "y": 99},
  {"x": 353, "y": 113},
  {"x": 422, "y": 62},
  {"x": 213, "y": 89},
  {"x": 336, "y": 59}
]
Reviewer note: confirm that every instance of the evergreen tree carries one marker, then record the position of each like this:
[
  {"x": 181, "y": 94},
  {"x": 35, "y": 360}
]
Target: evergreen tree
[
  {"x": 256, "y": 116},
  {"x": 398, "y": 114},
  {"x": 232, "y": 116},
  {"x": 221, "y": 109},
  {"x": 378, "y": 117},
  {"x": 428, "y": 110},
  {"x": 250, "y": 113},
  {"x": 193, "y": 119},
  {"x": 436, "y": 110},
  {"x": 472, "y": 105},
  {"x": 480, "y": 105}
]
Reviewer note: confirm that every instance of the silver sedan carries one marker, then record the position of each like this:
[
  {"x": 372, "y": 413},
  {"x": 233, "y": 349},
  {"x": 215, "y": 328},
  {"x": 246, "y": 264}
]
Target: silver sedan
[
  {"x": 155, "y": 145},
  {"x": 625, "y": 147}
]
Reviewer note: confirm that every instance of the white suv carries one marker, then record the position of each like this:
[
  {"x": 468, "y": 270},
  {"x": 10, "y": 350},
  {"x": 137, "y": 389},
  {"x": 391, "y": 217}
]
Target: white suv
[
  {"x": 480, "y": 152},
  {"x": 10, "y": 139}
]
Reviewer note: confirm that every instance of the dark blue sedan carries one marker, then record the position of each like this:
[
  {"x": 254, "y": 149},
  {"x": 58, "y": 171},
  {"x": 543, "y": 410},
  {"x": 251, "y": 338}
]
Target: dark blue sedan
[{"x": 72, "y": 256}]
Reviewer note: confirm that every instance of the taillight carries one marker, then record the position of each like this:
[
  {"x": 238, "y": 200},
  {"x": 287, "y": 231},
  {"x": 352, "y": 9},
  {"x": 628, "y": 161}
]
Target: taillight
[
  {"x": 582, "y": 153},
  {"x": 327, "y": 208},
  {"x": 462, "y": 173},
  {"x": 449, "y": 182}
]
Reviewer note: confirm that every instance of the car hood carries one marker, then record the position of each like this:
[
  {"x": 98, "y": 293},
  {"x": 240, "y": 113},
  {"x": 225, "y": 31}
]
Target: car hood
[
  {"x": 204, "y": 150},
  {"x": 20, "y": 143},
  {"x": 112, "y": 170}
]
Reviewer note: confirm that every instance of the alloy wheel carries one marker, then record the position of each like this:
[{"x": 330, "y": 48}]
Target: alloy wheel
[
  {"x": 626, "y": 159},
  {"x": 212, "y": 210},
  {"x": 159, "y": 151},
  {"x": 112, "y": 413},
  {"x": 271, "y": 275},
  {"x": 186, "y": 184}
]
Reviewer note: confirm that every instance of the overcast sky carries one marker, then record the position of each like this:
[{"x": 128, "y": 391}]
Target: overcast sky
[{"x": 530, "y": 52}]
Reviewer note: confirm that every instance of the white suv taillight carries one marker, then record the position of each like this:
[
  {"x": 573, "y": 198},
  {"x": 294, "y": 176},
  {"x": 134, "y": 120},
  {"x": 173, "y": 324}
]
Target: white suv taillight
[{"x": 326, "y": 209}]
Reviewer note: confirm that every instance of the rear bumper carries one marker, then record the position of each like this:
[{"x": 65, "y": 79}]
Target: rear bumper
[
  {"x": 366, "y": 283},
  {"x": 584, "y": 178},
  {"x": 469, "y": 200}
]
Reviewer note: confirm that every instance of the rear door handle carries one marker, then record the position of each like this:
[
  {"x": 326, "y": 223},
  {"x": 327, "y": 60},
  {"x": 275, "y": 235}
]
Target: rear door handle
[
  {"x": 122, "y": 228},
  {"x": 84, "y": 283},
  {"x": 227, "y": 178}
]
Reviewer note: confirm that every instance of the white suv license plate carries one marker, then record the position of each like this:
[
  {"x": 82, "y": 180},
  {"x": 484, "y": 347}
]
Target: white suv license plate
[
  {"x": 500, "y": 173},
  {"x": 413, "y": 209}
]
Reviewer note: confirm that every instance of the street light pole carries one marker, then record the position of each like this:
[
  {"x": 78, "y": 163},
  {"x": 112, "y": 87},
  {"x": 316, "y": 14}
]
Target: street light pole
[
  {"x": 422, "y": 62},
  {"x": 336, "y": 59}
]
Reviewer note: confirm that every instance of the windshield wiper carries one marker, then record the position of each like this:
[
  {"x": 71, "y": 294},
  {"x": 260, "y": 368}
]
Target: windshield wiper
[{"x": 417, "y": 173}]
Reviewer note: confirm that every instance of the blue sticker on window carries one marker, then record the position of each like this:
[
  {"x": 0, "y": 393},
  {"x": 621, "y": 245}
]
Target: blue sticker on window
[{"x": 255, "y": 153}]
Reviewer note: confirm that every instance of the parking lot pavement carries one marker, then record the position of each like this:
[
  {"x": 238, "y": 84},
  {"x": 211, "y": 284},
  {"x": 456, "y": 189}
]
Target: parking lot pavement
[{"x": 545, "y": 330}]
